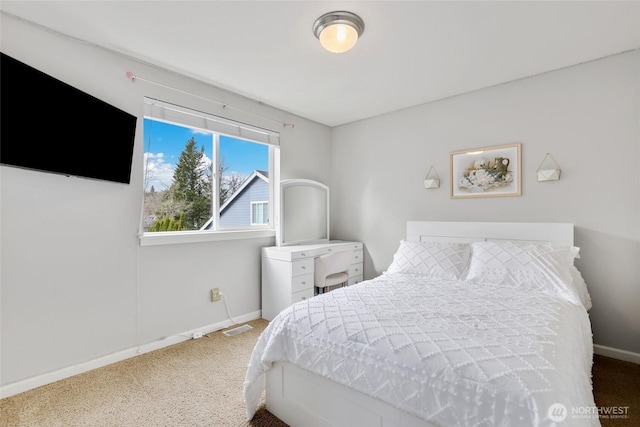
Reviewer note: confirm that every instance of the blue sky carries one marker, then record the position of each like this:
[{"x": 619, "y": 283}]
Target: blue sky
[{"x": 164, "y": 142}]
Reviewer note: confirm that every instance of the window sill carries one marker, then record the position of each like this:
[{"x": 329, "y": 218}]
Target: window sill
[{"x": 174, "y": 238}]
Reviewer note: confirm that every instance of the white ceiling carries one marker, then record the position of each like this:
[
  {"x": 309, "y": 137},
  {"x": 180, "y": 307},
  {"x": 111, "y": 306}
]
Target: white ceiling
[{"x": 411, "y": 52}]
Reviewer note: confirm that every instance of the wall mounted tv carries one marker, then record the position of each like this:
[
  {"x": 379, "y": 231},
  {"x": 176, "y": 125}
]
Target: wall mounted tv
[{"x": 50, "y": 126}]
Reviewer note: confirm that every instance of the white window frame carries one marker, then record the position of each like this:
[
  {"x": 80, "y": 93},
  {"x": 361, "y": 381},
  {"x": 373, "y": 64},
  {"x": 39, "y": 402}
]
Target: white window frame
[
  {"x": 262, "y": 202},
  {"x": 171, "y": 113}
]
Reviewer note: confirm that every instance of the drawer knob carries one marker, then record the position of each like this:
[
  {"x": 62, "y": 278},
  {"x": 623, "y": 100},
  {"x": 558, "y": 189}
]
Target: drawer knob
[
  {"x": 304, "y": 298},
  {"x": 304, "y": 267},
  {"x": 303, "y": 254},
  {"x": 304, "y": 283}
]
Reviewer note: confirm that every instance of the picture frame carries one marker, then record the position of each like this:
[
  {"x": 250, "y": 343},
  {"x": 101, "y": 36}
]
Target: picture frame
[{"x": 486, "y": 172}]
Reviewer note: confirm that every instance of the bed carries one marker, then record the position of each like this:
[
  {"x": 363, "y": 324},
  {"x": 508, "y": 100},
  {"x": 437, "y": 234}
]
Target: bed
[{"x": 472, "y": 324}]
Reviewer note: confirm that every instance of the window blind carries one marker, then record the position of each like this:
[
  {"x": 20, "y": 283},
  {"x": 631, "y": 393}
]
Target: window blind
[{"x": 164, "y": 111}]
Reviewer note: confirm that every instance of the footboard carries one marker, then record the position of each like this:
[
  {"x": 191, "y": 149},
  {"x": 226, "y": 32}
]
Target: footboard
[{"x": 301, "y": 398}]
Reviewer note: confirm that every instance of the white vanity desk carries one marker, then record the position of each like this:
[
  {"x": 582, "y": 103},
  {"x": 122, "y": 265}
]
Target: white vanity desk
[{"x": 287, "y": 272}]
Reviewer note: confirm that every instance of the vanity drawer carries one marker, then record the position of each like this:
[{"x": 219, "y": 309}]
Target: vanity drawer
[
  {"x": 308, "y": 253},
  {"x": 357, "y": 257},
  {"x": 300, "y": 267},
  {"x": 355, "y": 279},
  {"x": 302, "y": 295},
  {"x": 355, "y": 270},
  {"x": 301, "y": 283}
]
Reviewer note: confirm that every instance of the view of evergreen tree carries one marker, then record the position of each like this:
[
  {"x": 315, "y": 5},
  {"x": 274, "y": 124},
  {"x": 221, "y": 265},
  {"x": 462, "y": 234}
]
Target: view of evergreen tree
[
  {"x": 190, "y": 193},
  {"x": 187, "y": 203}
]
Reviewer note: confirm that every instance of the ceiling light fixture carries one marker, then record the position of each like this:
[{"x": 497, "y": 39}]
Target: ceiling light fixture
[{"x": 338, "y": 31}]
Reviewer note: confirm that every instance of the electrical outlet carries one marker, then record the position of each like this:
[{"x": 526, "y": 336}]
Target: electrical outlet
[
  {"x": 215, "y": 294},
  {"x": 197, "y": 334}
]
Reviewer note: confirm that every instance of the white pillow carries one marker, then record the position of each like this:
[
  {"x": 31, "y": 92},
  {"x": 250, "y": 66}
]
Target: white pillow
[
  {"x": 581, "y": 288},
  {"x": 543, "y": 267},
  {"x": 436, "y": 260}
]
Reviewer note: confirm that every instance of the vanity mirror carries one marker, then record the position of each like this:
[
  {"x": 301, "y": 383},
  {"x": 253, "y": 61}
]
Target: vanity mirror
[{"x": 304, "y": 212}]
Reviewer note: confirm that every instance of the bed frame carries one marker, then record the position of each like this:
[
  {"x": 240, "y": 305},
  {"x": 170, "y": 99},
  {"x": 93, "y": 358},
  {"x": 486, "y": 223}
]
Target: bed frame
[{"x": 301, "y": 398}]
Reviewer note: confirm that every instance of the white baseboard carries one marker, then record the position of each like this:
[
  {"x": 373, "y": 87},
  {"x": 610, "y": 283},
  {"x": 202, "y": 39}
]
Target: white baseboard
[
  {"x": 615, "y": 353},
  {"x": 50, "y": 377}
]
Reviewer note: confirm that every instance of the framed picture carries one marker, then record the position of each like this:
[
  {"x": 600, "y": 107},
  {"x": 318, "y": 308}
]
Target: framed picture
[{"x": 486, "y": 172}]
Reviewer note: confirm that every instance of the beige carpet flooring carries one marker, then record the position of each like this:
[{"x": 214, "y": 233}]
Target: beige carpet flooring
[{"x": 198, "y": 383}]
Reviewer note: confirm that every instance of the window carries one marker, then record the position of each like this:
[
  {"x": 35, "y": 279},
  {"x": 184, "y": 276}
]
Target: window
[
  {"x": 204, "y": 173},
  {"x": 259, "y": 213}
]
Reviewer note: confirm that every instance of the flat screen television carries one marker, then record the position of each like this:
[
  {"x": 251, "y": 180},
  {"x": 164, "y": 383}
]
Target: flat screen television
[{"x": 51, "y": 126}]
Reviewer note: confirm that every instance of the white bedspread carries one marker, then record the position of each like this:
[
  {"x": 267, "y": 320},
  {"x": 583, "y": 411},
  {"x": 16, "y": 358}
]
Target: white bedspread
[{"x": 454, "y": 353}]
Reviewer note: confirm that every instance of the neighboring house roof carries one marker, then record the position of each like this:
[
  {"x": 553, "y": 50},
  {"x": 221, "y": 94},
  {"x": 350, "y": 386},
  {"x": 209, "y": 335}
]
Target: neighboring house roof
[{"x": 257, "y": 174}]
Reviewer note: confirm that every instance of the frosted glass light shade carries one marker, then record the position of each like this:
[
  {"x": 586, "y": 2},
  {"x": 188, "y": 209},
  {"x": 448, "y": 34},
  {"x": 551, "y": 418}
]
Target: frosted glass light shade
[
  {"x": 338, "y": 38},
  {"x": 338, "y": 31}
]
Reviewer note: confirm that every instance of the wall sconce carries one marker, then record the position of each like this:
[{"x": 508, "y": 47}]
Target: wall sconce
[
  {"x": 432, "y": 180},
  {"x": 549, "y": 169},
  {"x": 338, "y": 31}
]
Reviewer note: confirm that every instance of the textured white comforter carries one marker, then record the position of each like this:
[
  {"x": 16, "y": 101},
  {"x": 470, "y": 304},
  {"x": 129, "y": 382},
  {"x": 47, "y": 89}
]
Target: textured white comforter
[{"x": 454, "y": 353}]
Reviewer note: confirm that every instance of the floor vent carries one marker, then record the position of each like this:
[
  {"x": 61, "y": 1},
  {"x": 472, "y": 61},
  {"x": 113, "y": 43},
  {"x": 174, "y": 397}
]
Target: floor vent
[{"x": 238, "y": 330}]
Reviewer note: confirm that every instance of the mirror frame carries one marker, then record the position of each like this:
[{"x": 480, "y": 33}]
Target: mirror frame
[{"x": 280, "y": 227}]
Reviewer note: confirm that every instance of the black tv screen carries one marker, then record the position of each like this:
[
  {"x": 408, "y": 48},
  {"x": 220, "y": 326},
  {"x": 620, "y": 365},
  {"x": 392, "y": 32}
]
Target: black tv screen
[{"x": 48, "y": 125}]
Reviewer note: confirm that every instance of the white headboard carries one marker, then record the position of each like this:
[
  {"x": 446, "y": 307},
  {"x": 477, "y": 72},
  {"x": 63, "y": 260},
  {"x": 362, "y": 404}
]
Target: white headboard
[{"x": 557, "y": 233}]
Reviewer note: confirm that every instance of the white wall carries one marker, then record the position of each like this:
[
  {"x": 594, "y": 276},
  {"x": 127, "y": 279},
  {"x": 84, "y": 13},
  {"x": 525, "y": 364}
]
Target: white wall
[
  {"x": 75, "y": 284},
  {"x": 586, "y": 116}
]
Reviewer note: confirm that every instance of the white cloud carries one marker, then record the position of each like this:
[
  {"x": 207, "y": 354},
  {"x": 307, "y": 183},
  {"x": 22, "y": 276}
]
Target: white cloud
[{"x": 157, "y": 172}]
